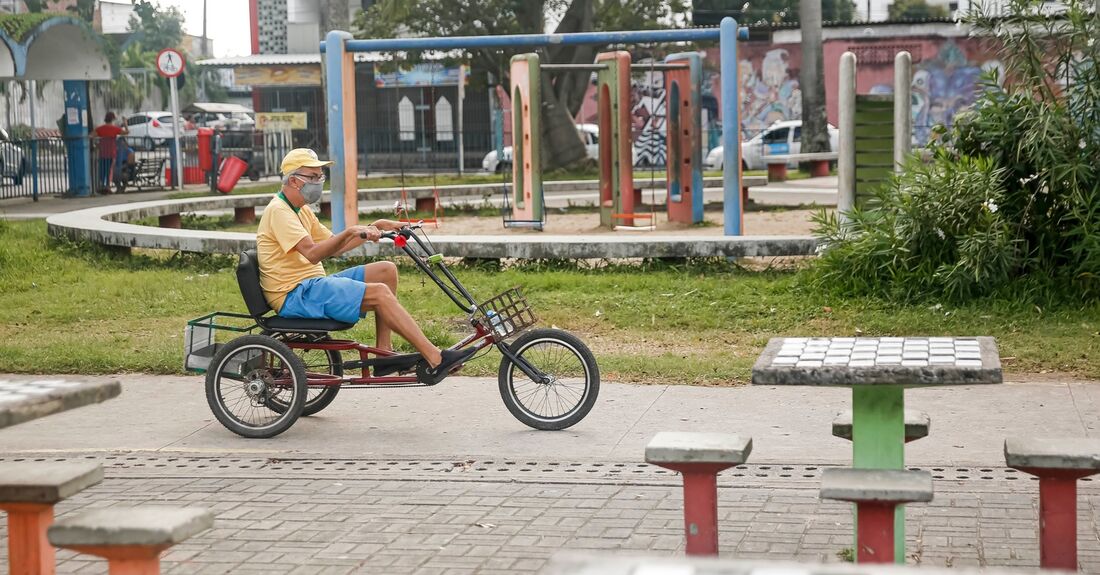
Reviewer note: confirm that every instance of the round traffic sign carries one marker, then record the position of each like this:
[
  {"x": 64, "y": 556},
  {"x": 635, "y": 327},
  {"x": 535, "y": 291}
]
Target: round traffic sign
[{"x": 170, "y": 63}]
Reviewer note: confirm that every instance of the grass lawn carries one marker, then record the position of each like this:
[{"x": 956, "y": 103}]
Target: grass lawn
[{"x": 83, "y": 309}]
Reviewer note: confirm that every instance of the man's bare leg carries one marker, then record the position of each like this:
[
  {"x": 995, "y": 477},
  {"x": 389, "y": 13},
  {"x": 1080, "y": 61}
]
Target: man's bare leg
[
  {"x": 379, "y": 299},
  {"x": 382, "y": 273}
]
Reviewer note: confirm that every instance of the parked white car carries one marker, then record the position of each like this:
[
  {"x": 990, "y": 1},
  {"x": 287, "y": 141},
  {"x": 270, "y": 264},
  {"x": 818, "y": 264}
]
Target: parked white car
[
  {"x": 13, "y": 163},
  {"x": 151, "y": 129},
  {"x": 590, "y": 135},
  {"x": 782, "y": 137}
]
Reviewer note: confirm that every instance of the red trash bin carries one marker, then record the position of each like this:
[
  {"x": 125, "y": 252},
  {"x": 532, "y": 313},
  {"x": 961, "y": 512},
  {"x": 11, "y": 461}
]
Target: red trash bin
[
  {"x": 206, "y": 159},
  {"x": 232, "y": 169}
]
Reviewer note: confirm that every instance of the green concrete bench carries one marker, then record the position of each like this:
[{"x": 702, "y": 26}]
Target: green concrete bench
[
  {"x": 917, "y": 425},
  {"x": 1058, "y": 463},
  {"x": 131, "y": 539},
  {"x": 699, "y": 457},
  {"x": 28, "y": 492},
  {"x": 876, "y": 493}
]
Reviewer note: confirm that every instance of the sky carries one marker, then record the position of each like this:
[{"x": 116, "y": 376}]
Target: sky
[{"x": 227, "y": 23}]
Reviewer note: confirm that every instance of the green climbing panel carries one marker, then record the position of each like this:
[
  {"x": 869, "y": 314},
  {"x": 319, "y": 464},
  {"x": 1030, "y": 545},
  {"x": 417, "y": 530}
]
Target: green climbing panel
[{"x": 874, "y": 139}]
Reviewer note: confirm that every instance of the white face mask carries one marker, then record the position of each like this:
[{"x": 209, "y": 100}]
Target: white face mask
[{"x": 311, "y": 191}]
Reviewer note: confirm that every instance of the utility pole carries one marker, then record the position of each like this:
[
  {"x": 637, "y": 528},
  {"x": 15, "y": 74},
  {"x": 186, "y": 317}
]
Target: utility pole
[
  {"x": 205, "y": 53},
  {"x": 815, "y": 137}
]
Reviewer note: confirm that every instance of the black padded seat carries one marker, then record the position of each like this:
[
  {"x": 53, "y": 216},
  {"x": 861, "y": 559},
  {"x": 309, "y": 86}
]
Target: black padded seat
[
  {"x": 248, "y": 279},
  {"x": 276, "y": 323}
]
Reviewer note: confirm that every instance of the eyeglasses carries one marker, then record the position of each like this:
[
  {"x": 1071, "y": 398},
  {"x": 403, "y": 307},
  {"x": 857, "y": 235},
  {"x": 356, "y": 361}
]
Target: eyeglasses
[{"x": 318, "y": 179}]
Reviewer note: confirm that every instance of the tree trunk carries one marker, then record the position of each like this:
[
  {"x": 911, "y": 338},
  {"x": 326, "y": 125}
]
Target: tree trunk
[
  {"x": 563, "y": 92},
  {"x": 334, "y": 16},
  {"x": 815, "y": 135}
]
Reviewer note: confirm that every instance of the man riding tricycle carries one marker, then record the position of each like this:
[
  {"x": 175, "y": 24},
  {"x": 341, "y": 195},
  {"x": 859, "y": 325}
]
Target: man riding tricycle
[{"x": 289, "y": 364}]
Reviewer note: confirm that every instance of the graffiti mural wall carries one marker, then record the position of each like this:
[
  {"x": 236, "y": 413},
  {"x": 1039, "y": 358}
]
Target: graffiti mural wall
[
  {"x": 946, "y": 74},
  {"x": 769, "y": 90},
  {"x": 943, "y": 86}
]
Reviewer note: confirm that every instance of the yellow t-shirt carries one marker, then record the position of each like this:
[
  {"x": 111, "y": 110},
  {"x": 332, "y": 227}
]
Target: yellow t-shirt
[{"x": 281, "y": 267}]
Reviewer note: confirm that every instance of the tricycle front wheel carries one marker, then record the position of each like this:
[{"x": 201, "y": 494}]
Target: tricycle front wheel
[{"x": 567, "y": 392}]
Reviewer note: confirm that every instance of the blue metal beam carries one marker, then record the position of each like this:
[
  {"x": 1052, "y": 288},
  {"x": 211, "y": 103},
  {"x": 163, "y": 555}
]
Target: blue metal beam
[{"x": 535, "y": 40}]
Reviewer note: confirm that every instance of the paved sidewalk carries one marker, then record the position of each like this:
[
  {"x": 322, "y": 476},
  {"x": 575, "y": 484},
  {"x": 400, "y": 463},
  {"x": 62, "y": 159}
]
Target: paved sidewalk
[{"x": 443, "y": 480}]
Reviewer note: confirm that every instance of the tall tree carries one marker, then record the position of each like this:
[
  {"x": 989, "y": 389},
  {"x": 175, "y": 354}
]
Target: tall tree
[
  {"x": 335, "y": 16},
  {"x": 158, "y": 27},
  {"x": 764, "y": 12},
  {"x": 563, "y": 91},
  {"x": 815, "y": 136},
  {"x": 915, "y": 10}
]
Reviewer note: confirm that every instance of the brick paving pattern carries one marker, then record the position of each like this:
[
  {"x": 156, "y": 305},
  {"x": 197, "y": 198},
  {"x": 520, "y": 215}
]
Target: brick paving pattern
[{"x": 443, "y": 517}]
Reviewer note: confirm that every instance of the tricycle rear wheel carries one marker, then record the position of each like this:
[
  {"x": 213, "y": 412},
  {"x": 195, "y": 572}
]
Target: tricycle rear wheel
[
  {"x": 319, "y": 364},
  {"x": 571, "y": 388},
  {"x": 243, "y": 377}
]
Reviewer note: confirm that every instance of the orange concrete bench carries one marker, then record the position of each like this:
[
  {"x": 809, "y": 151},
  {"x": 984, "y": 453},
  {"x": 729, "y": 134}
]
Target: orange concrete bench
[
  {"x": 131, "y": 539},
  {"x": 28, "y": 492},
  {"x": 819, "y": 164}
]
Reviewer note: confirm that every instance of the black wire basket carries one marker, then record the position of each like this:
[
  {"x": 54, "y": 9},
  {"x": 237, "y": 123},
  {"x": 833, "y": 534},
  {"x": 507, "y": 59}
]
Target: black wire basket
[{"x": 507, "y": 314}]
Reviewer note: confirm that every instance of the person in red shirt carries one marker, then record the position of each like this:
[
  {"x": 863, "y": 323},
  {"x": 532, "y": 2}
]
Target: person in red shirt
[{"x": 107, "y": 133}]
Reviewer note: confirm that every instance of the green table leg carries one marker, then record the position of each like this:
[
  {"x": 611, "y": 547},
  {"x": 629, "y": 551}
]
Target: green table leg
[{"x": 878, "y": 440}]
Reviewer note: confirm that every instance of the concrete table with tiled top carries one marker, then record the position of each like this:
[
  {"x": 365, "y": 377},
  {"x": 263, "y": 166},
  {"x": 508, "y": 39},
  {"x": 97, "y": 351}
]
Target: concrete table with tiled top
[
  {"x": 879, "y": 370},
  {"x": 29, "y": 491},
  {"x": 24, "y": 400}
]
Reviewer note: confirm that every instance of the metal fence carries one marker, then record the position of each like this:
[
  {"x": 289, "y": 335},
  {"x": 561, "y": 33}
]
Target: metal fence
[{"x": 33, "y": 167}]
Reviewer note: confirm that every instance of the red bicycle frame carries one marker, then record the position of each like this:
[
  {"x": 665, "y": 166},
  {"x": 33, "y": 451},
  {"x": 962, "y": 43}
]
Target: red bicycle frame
[{"x": 481, "y": 338}]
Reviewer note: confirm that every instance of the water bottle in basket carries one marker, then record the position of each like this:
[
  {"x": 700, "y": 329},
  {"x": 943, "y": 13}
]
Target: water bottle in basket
[{"x": 494, "y": 321}]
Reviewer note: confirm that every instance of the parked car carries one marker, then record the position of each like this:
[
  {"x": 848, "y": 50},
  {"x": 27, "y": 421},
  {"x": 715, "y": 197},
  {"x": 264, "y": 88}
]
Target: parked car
[
  {"x": 782, "y": 137},
  {"x": 590, "y": 135},
  {"x": 219, "y": 121},
  {"x": 13, "y": 163},
  {"x": 151, "y": 129},
  {"x": 221, "y": 115}
]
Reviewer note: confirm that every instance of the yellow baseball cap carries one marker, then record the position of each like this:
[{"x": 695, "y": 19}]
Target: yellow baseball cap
[{"x": 299, "y": 158}]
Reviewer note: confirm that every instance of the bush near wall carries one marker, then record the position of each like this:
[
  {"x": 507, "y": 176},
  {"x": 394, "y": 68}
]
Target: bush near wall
[{"x": 1009, "y": 203}]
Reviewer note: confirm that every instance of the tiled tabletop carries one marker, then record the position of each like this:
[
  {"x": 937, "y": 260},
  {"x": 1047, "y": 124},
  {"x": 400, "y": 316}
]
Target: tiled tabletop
[
  {"x": 884, "y": 360},
  {"x": 24, "y": 400}
]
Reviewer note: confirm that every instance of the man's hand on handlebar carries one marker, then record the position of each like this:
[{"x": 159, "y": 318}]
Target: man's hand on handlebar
[{"x": 365, "y": 233}]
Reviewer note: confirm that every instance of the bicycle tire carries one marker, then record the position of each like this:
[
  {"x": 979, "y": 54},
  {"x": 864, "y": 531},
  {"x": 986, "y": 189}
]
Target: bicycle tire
[
  {"x": 575, "y": 398},
  {"x": 267, "y": 363},
  {"x": 324, "y": 395}
]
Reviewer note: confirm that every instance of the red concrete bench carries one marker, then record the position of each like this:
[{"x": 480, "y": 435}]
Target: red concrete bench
[
  {"x": 819, "y": 164},
  {"x": 699, "y": 457},
  {"x": 131, "y": 539},
  {"x": 876, "y": 493},
  {"x": 28, "y": 492},
  {"x": 917, "y": 424},
  {"x": 1058, "y": 463}
]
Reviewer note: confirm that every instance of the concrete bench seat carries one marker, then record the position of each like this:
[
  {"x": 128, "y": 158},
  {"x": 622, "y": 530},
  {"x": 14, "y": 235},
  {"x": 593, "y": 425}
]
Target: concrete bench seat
[
  {"x": 819, "y": 164},
  {"x": 699, "y": 457},
  {"x": 876, "y": 493},
  {"x": 917, "y": 425},
  {"x": 1058, "y": 463},
  {"x": 28, "y": 492},
  {"x": 130, "y": 538}
]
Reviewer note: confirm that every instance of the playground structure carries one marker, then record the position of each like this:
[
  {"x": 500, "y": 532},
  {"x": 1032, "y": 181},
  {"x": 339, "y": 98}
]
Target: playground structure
[
  {"x": 339, "y": 49},
  {"x": 865, "y": 158},
  {"x": 528, "y": 208}
]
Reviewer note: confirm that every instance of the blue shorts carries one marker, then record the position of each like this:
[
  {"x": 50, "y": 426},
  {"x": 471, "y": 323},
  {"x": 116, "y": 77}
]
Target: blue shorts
[{"x": 338, "y": 296}]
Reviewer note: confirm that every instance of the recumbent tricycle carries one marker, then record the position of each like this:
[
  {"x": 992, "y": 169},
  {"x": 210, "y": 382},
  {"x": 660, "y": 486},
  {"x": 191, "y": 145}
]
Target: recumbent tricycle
[{"x": 259, "y": 383}]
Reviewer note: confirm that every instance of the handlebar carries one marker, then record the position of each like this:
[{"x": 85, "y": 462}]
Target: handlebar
[{"x": 406, "y": 230}]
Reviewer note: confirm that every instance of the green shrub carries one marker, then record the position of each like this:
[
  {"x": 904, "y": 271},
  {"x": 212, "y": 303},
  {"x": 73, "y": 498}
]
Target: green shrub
[{"x": 1010, "y": 200}]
